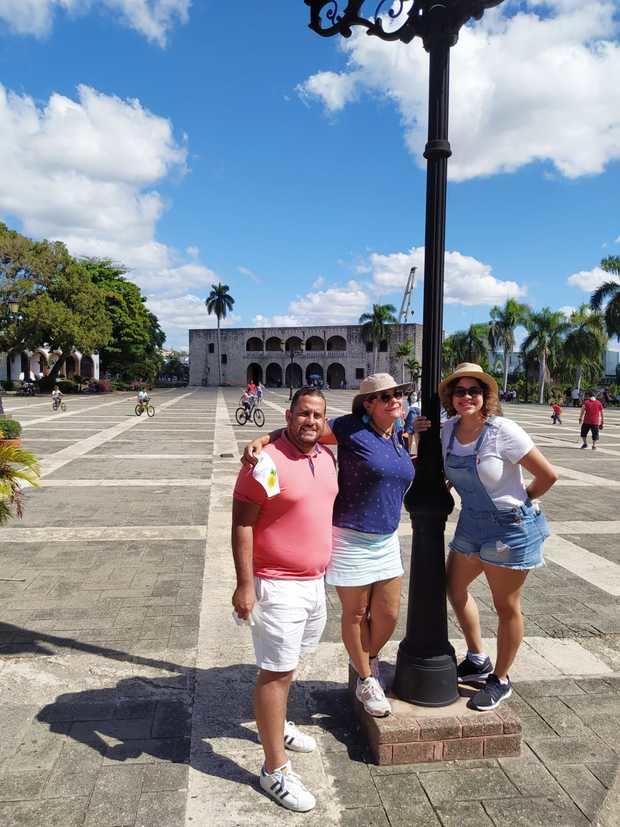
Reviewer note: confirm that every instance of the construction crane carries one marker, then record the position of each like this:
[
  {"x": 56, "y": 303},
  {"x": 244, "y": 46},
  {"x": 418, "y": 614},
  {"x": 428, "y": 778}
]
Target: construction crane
[{"x": 405, "y": 307}]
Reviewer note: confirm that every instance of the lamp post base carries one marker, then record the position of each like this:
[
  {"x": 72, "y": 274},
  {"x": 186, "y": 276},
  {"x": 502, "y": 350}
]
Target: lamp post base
[{"x": 430, "y": 681}]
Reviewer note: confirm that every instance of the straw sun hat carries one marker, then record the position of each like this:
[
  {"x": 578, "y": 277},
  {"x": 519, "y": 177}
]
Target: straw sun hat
[
  {"x": 471, "y": 371},
  {"x": 376, "y": 383}
]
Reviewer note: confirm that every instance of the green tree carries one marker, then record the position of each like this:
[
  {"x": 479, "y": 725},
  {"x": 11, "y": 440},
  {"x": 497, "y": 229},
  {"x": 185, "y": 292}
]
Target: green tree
[
  {"x": 376, "y": 327},
  {"x": 134, "y": 349},
  {"x": 467, "y": 346},
  {"x": 403, "y": 352},
  {"x": 415, "y": 369},
  {"x": 585, "y": 344},
  {"x": 219, "y": 301},
  {"x": 546, "y": 334},
  {"x": 609, "y": 292},
  {"x": 18, "y": 468},
  {"x": 501, "y": 332}
]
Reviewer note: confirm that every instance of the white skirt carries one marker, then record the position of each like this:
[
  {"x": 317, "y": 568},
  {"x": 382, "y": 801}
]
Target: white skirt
[{"x": 359, "y": 559}]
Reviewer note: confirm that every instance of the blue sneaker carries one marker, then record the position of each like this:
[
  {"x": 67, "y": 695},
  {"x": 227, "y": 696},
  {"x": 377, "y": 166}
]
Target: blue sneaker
[
  {"x": 470, "y": 672},
  {"x": 491, "y": 695}
]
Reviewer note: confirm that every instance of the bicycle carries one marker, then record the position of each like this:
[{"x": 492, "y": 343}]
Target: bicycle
[
  {"x": 246, "y": 413},
  {"x": 144, "y": 406},
  {"x": 58, "y": 403}
]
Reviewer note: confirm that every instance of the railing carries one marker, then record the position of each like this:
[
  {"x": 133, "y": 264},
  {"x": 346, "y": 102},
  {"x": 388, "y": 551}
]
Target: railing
[{"x": 303, "y": 354}]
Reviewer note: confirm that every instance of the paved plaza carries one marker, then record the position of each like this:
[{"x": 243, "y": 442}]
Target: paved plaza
[{"x": 125, "y": 685}]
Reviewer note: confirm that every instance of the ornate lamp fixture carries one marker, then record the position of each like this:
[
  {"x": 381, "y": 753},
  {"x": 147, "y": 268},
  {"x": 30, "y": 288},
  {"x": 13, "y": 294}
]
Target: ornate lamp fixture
[{"x": 426, "y": 666}]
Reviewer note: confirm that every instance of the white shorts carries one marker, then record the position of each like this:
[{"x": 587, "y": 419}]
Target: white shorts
[{"x": 289, "y": 618}]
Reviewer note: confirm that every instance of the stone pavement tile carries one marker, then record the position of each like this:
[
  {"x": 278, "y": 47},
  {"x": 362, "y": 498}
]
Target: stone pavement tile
[
  {"x": 114, "y": 801},
  {"x": 559, "y": 716},
  {"x": 606, "y": 773},
  {"x": 571, "y": 750},
  {"x": 15, "y": 719},
  {"x": 364, "y": 817},
  {"x": 22, "y": 785},
  {"x": 607, "y": 729},
  {"x": 39, "y": 747},
  {"x": 595, "y": 686},
  {"x": 122, "y": 730},
  {"x": 533, "y": 726},
  {"x": 161, "y": 809},
  {"x": 158, "y": 777},
  {"x": 582, "y": 786},
  {"x": 534, "y": 812},
  {"x": 77, "y": 711},
  {"x": 404, "y": 800},
  {"x": 75, "y": 771},
  {"x": 466, "y": 785},
  {"x": 352, "y": 782},
  {"x": 544, "y": 689},
  {"x": 463, "y": 814},
  {"x": 532, "y": 778},
  {"x": 60, "y": 812},
  {"x": 172, "y": 720},
  {"x": 594, "y": 706}
]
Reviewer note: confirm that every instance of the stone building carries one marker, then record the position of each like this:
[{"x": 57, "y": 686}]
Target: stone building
[
  {"x": 279, "y": 356},
  {"x": 32, "y": 364}
]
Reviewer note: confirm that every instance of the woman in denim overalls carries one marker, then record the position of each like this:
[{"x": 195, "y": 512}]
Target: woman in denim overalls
[{"x": 500, "y": 531}]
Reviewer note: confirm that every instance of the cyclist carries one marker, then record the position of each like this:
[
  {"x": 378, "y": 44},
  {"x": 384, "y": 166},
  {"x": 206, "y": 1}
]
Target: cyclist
[
  {"x": 248, "y": 400},
  {"x": 56, "y": 397},
  {"x": 143, "y": 397}
]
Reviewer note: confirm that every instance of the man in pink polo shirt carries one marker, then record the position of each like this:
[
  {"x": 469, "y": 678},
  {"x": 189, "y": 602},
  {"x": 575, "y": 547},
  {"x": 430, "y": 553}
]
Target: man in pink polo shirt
[{"x": 281, "y": 548}]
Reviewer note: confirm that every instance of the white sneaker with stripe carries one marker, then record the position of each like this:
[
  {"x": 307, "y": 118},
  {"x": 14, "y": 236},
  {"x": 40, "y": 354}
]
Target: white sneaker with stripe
[
  {"x": 296, "y": 740},
  {"x": 285, "y": 787}
]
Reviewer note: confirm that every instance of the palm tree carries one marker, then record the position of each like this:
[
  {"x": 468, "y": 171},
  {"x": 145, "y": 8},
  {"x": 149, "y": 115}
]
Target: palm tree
[
  {"x": 501, "y": 333},
  {"x": 467, "y": 345},
  {"x": 403, "y": 352},
  {"x": 586, "y": 343},
  {"x": 610, "y": 291},
  {"x": 414, "y": 368},
  {"x": 18, "y": 468},
  {"x": 219, "y": 301},
  {"x": 376, "y": 327},
  {"x": 545, "y": 338}
]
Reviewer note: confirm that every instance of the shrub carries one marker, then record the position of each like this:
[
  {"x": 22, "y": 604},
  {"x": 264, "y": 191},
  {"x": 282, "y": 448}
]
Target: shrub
[
  {"x": 17, "y": 469},
  {"x": 122, "y": 386},
  {"x": 9, "y": 428},
  {"x": 100, "y": 386},
  {"x": 8, "y": 385}
]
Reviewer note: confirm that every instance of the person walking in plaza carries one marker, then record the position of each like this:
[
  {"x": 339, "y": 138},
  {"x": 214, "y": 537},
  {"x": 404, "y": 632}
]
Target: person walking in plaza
[
  {"x": 591, "y": 419},
  {"x": 281, "y": 540},
  {"x": 500, "y": 530},
  {"x": 556, "y": 413},
  {"x": 374, "y": 473}
]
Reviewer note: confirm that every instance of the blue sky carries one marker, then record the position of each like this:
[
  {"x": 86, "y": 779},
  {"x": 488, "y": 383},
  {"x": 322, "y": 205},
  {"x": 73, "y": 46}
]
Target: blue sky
[{"x": 197, "y": 145}]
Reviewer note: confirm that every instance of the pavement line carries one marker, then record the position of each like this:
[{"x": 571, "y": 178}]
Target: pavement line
[
  {"x": 91, "y": 457},
  {"x": 137, "y": 482},
  {"x": 596, "y": 570},
  {"x": 585, "y": 527},
  {"x": 103, "y": 534},
  {"x": 84, "y": 446},
  {"x": 57, "y": 414},
  {"x": 592, "y": 479}
]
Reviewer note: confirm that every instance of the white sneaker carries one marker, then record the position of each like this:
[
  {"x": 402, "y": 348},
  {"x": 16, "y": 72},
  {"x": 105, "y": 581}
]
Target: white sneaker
[
  {"x": 285, "y": 787},
  {"x": 372, "y": 697},
  {"x": 296, "y": 740}
]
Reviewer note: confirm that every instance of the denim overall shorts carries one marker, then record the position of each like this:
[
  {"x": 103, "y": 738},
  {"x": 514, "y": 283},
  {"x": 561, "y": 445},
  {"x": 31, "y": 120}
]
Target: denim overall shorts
[{"x": 512, "y": 538}]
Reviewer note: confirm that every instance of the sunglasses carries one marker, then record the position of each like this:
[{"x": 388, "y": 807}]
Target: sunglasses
[
  {"x": 386, "y": 397},
  {"x": 474, "y": 391}
]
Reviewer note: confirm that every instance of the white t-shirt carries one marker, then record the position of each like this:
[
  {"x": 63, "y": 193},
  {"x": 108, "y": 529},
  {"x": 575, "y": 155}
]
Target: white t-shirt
[{"x": 499, "y": 455}]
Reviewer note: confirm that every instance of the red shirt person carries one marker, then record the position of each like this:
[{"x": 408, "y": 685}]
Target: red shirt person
[
  {"x": 282, "y": 541},
  {"x": 591, "y": 419}
]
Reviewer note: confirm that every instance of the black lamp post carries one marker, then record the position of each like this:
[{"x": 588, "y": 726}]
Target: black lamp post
[
  {"x": 12, "y": 314},
  {"x": 426, "y": 667}
]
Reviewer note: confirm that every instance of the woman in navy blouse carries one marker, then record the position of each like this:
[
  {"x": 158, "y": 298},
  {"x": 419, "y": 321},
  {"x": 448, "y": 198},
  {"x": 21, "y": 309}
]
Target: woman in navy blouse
[{"x": 374, "y": 473}]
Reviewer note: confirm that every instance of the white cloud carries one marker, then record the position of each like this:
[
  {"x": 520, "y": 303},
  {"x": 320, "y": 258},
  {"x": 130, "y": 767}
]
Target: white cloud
[
  {"x": 467, "y": 280},
  {"x": 589, "y": 280},
  {"x": 318, "y": 283},
  {"x": 178, "y": 314},
  {"x": 567, "y": 310},
  {"x": 245, "y": 271},
  {"x": 536, "y": 84},
  {"x": 335, "y": 305},
  {"x": 151, "y": 18}
]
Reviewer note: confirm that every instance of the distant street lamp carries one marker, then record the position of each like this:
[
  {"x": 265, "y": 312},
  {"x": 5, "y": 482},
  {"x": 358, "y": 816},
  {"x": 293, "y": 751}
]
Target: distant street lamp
[
  {"x": 293, "y": 353},
  {"x": 426, "y": 666}
]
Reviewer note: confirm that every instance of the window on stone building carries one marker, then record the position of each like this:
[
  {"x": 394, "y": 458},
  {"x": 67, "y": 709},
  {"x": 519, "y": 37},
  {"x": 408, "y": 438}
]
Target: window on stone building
[
  {"x": 368, "y": 347},
  {"x": 224, "y": 359},
  {"x": 359, "y": 373},
  {"x": 211, "y": 347},
  {"x": 383, "y": 346}
]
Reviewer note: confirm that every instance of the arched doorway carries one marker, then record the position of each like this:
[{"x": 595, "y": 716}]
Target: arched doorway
[
  {"x": 273, "y": 376},
  {"x": 314, "y": 374},
  {"x": 254, "y": 343},
  {"x": 87, "y": 368},
  {"x": 336, "y": 343},
  {"x": 315, "y": 343},
  {"x": 336, "y": 375},
  {"x": 38, "y": 363},
  {"x": 70, "y": 366},
  {"x": 254, "y": 373},
  {"x": 293, "y": 343},
  {"x": 294, "y": 376},
  {"x": 273, "y": 343}
]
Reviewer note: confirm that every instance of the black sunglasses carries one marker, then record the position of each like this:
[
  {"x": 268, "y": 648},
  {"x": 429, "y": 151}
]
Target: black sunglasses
[
  {"x": 386, "y": 397},
  {"x": 473, "y": 391}
]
